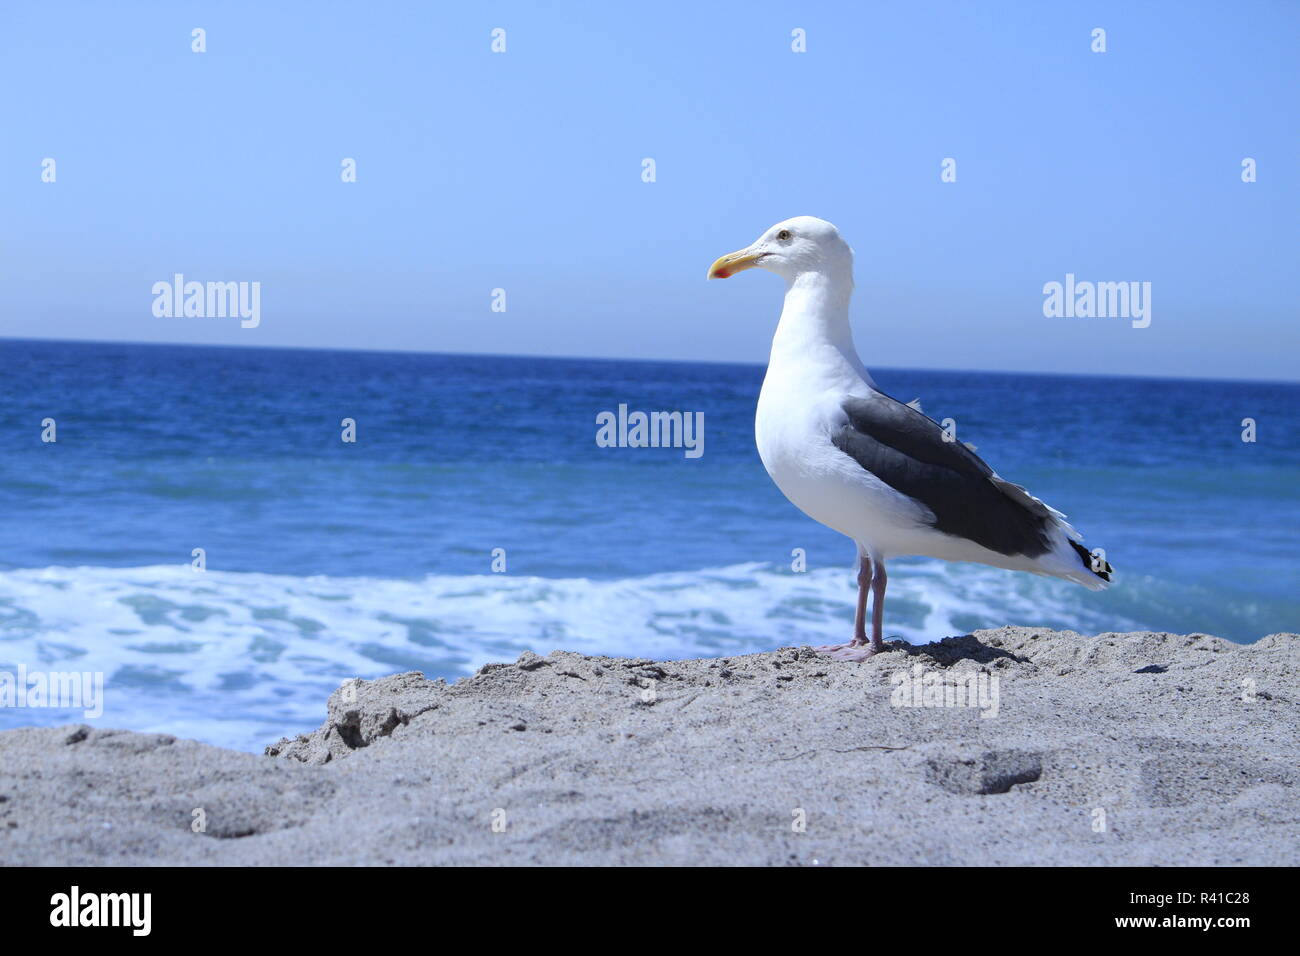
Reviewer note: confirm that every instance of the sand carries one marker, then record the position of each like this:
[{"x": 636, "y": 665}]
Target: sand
[{"x": 1137, "y": 748}]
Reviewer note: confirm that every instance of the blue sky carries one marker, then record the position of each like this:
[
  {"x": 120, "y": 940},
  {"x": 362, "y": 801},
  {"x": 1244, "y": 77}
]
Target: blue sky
[{"x": 522, "y": 171}]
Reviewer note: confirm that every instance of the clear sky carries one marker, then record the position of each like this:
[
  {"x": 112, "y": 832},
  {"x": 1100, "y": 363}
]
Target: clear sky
[{"x": 522, "y": 170}]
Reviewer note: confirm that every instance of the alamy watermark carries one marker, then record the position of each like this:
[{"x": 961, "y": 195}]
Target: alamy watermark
[
  {"x": 1103, "y": 300},
  {"x": 651, "y": 430},
  {"x": 921, "y": 688},
  {"x": 61, "y": 690},
  {"x": 75, "y": 908},
  {"x": 208, "y": 300}
]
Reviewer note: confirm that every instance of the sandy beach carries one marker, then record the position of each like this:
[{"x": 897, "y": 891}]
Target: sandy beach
[{"x": 1052, "y": 748}]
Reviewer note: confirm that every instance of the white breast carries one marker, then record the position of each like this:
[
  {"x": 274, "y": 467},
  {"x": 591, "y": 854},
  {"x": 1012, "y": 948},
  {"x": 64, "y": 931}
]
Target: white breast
[{"x": 796, "y": 417}]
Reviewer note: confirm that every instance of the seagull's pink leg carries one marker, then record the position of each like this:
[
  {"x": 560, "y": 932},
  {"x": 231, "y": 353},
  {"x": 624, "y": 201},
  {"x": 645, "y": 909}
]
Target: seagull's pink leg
[
  {"x": 873, "y": 573},
  {"x": 878, "y": 583},
  {"x": 865, "y": 581}
]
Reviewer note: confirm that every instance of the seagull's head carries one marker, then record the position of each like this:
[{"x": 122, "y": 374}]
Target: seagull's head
[{"x": 791, "y": 248}]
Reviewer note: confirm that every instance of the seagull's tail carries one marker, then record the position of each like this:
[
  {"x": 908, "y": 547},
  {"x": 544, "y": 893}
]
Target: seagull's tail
[
  {"x": 1067, "y": 558},
  {"x": 1096, "y": 569}
]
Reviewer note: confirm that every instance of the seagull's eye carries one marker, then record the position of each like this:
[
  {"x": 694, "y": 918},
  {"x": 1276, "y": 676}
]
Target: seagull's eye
[{"x": 783, "y": 235}]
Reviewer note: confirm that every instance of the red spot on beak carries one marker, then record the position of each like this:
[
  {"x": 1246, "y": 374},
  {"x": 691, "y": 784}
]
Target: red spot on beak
[{"x": 722, "y": 274}]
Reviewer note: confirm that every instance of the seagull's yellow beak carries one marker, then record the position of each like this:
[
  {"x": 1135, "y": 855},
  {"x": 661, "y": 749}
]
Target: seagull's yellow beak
[{"x": 734, "y": 262}]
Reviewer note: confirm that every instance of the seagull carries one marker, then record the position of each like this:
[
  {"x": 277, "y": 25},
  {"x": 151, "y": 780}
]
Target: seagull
[{"x": 872, "y": 468}]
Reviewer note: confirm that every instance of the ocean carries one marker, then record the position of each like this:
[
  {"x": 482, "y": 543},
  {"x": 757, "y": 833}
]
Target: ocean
[{"x": 476, "y": 516}]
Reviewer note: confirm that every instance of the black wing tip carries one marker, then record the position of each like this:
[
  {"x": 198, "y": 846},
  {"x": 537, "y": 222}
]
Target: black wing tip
[{"x": 1089, "y": 560}]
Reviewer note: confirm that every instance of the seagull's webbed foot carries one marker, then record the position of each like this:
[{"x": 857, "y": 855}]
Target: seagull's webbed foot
[{"x": 853, "y": 651}]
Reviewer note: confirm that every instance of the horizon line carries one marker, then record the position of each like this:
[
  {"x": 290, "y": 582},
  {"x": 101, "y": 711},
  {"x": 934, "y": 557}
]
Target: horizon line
[{"x": 603, "y": 358}]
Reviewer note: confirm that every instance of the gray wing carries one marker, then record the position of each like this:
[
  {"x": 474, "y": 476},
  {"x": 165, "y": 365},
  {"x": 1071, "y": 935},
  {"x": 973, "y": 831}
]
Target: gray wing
[{"x": 905, "y": 449}]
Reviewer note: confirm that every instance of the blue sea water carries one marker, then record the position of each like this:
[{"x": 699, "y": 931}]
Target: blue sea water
[{"x": 327, "y": 560}]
